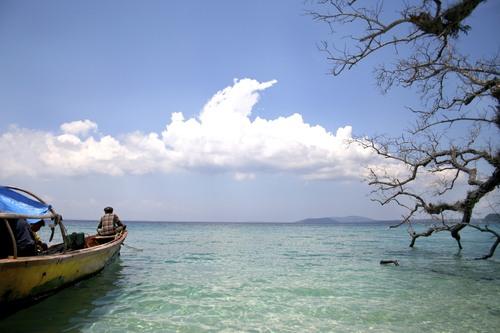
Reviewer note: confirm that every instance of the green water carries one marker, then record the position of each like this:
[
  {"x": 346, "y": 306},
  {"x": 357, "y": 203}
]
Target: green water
[{"x": 277, "y": 278}]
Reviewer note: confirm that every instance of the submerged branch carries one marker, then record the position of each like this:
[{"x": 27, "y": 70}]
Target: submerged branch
[{"x": 493, "y": 246}]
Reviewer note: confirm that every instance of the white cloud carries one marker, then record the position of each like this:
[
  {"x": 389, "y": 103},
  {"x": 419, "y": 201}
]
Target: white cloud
[
  {"x": 222, "y": 138},
  {"x": 241, "y": 176},
  {"x": 79, "y": 127}
]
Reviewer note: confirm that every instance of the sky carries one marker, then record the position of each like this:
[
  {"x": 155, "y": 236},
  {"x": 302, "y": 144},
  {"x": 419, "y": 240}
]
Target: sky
[{"x": 191, "y": 110}]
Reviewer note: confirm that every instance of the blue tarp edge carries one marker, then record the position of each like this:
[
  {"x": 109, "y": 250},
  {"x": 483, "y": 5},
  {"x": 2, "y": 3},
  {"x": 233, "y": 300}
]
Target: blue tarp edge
[{"x": 16, "y": 203}]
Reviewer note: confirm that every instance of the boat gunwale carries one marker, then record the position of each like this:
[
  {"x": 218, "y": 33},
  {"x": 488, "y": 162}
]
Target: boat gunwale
[{"x": 65, "y": 255}]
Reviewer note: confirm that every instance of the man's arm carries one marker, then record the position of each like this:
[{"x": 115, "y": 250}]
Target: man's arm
[{"x": 117, "y": 221}]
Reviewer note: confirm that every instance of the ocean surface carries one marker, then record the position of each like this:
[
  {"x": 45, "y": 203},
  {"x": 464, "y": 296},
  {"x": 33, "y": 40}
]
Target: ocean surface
[{"x": 222, "y": 277}]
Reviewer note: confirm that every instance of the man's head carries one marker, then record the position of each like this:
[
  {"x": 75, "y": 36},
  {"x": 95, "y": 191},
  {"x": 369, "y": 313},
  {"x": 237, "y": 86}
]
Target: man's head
[
  {"x": 36, "y": 226},
  {"x": 108, "y": 210}
]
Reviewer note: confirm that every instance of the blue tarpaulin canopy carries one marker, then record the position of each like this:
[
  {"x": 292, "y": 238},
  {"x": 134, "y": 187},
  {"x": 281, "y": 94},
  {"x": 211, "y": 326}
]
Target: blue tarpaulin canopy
[{"x": 15, "y": 203}]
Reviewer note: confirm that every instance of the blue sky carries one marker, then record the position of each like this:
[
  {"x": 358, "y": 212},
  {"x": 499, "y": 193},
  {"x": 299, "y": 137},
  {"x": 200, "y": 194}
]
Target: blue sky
[{"x": 190, "y": 110}]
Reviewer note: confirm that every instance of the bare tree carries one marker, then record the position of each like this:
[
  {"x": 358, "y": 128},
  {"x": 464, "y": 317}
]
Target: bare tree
[{"x": 455, "y": 134}]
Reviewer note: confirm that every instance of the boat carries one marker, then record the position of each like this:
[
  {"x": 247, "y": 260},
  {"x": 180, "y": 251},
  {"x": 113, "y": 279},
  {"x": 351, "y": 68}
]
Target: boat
[{"x": 27, "y": 280}]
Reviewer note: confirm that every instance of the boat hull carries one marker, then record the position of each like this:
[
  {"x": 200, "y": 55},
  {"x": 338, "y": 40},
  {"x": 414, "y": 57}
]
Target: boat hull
[{"x": 28, "y": 279}]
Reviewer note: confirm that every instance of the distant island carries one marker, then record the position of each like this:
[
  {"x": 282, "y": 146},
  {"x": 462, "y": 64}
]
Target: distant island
[
  {"x": 337, "y": 220},
  {"x": 492, "y": 218}
]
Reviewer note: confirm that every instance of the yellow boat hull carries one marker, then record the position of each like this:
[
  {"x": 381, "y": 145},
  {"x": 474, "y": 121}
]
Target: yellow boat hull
[{"x": 27, "y": 279}]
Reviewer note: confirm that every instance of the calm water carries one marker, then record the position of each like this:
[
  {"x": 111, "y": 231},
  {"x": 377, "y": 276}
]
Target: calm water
[{"x": 277, "y": 278}]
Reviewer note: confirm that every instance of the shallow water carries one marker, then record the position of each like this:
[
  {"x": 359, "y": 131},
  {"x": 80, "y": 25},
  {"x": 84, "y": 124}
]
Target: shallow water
[{"x": 216, "y": 277}]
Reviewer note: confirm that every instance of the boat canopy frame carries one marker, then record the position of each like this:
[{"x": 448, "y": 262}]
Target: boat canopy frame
[{"x": 52, "y": 214}]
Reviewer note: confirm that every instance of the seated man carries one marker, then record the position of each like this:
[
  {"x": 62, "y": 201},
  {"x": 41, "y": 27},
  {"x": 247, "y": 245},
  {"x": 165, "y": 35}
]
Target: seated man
[
  {"x": 110, "y": 223},
  {"x": 25, "y": 240}
]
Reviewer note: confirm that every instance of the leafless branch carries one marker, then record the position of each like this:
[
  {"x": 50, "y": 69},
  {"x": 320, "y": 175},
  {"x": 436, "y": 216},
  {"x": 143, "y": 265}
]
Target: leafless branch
[{"x": 460, "y": 106}]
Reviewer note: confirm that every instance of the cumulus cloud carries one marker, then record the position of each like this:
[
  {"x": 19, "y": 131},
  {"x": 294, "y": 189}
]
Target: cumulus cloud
[
  {"x": 222, "y": 138},
  {"x": 240, "y": 176},
  {"x": 79, "y": 127}
]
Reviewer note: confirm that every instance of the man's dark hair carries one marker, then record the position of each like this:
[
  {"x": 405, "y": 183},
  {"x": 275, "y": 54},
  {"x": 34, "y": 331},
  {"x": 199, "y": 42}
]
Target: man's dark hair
[{"x": 108, "y": 210}]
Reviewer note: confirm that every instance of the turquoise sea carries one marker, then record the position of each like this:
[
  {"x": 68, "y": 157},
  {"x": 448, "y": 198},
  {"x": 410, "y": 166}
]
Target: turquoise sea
[{"x": 223, "y": 277}]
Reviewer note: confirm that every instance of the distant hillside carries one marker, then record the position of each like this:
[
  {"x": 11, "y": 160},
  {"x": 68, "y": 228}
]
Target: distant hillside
[
  {"x": 492, "y": 218},
  {"x": 353, "y": 219},
  {"x": 318, "y": 220},
  {"x": 333, "y": 220}
]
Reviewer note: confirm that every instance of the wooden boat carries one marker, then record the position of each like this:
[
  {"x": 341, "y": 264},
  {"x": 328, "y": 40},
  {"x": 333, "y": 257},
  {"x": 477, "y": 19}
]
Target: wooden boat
[{"x": 25, "y": 280}]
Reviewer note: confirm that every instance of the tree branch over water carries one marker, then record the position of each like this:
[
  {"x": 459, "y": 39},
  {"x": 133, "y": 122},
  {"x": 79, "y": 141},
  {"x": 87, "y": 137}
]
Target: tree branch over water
[{"x": 449, "y": 160}]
